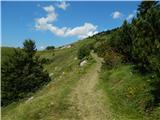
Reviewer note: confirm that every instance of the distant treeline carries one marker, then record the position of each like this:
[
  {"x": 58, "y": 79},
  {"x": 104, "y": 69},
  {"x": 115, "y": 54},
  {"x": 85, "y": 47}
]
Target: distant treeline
[{"x": 50, "y": 47}]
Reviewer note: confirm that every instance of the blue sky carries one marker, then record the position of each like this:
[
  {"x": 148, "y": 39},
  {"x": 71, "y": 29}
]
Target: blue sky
[{"x": 60, "y": 23}]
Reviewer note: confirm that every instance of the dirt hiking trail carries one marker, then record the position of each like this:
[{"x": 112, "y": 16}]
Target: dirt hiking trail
[{"x": 87, "y": 100}]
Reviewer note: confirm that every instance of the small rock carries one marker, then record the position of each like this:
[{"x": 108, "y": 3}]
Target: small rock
[
  {"x": 29, "y": 99},
  {"x": 68, "y": 46},
  {"x": 51, "y": 74},
  {"x": 83, "y": 63}
]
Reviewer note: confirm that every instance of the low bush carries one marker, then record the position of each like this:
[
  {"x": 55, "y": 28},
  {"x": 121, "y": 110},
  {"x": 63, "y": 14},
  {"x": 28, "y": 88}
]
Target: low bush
[
  {"x": 84, "y": 51},
  {"x": 50, "y": 47},
  {"x": 111, "y": 59}
]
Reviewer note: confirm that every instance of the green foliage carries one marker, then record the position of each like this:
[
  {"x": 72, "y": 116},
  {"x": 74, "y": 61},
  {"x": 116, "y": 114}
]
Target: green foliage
[
  {"x": 146, "y": 41},
  {"x": 22, "y": 73},
  {"x": 146, "y": 44},
  {"x": 111, "y": 58},
  {"x": 50, "y": 47},
  {"x": 44, "y": 60},
  {"x": 84, "y": 51},
  {"x": 128, "y": 91},
  {"x": 145, "y": 6},
  {"x": 29, "y": 47},
  {"x": 100, "y": 48},
  {"x": 138, "y": 43},
  {"x": 5, "y": 51},
  {"x": 52, "y": 100},
  {"x": 121, "y": 41},
  {"x": 155, "y": 114}
]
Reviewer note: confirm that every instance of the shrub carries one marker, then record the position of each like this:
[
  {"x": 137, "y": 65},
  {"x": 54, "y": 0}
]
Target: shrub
[
  {"x": 84, "y": 52},
  {"x": 44, "y": 60},
  {"x": 22, "y": 73},
  {"x": 100, "y": 48},
  {"x": 111, "y": 59},
  {"x": 50, "y": 47}
]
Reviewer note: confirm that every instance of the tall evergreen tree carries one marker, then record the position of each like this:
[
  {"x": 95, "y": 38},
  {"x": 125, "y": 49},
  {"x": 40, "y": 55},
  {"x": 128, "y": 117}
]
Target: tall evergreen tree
[{"x": 145, "y": 6}]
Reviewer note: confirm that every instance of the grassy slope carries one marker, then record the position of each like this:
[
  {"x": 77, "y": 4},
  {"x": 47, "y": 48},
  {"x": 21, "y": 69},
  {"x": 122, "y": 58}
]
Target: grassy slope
[
  {"x": 51, "y": 101},
  {"x": 117, "y": 84},
  {"x": 128, "y": 93},
  {"x": 5, "y": 51}
]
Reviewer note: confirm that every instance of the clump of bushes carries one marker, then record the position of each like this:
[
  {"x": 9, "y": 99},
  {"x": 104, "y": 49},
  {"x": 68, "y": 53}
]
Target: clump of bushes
[
  {"x": 84, "y": 51},
  {"x": 111, "y": 59},
  {"x": 21, "y": 74},
  {"x": 50, "y": 47}
]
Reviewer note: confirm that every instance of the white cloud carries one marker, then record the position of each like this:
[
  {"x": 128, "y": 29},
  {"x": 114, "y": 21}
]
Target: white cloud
[
  {"x": 42, "y": 23},
  {"x": 130, "y": 16},
  {"x": 83, "y": 31},
  {"x": 63, "y": 5},
  {"x": 116, "y": 15},
  {"x": 47, "y": 23},
  {"x": 49, "y": 8}
]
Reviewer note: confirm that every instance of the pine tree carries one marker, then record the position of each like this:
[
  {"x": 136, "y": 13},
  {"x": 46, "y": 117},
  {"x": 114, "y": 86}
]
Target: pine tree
[
  {"x": 22, "y": 73},
  {"x": 29, "y": 47},
  {"x": 145, "y": 6}
]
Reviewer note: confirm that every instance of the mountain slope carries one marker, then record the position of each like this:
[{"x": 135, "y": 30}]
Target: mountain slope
[
  {"x": 51, "y": 101},
  {"x": 74, "y": 93}
]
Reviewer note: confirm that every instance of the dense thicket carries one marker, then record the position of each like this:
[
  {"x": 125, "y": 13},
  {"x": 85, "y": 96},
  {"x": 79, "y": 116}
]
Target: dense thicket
[
  {"x": 22, "y": 73},
  {"x": 139, "y": 43}
]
